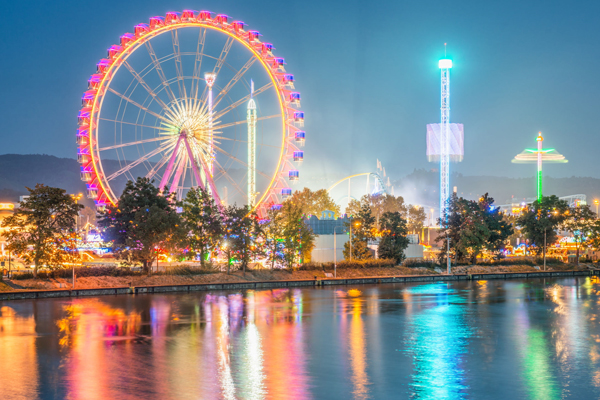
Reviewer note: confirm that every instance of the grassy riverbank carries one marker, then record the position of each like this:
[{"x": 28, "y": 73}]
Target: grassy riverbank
[{"x": 185, "y": 276}]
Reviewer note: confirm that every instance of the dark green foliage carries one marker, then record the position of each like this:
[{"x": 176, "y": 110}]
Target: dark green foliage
[
  {"x": 543, "y": 216},
  {"x": 473, "y": 226},
  {"x": 273, "y": 230},
  {"x": 298, "y": 238},
  {"x": 42, "y": 227},
  {"x": 143, "y": 220},
  {"x": 240, "y": 229},
  {"x": 580, "y": 222},
  {"x": 393, "y": 241},
  {"x": 202, "y": 222}
]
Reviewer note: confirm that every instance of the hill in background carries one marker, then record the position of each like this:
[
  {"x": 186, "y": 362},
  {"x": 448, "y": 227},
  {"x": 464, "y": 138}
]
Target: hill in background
[{"x": 420, "y": 187}]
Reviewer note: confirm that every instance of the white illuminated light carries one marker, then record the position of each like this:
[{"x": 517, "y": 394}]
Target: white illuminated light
[{"x": 445, "y": 63}]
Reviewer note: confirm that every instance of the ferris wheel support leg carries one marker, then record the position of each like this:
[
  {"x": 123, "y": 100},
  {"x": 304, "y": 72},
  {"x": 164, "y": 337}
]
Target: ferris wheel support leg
[
  {"x": 178, "y": 173},
  {"x": 194, "y": 166},
  {"x": 169, "y": 170},
  {"x": 212, "y": 187}
]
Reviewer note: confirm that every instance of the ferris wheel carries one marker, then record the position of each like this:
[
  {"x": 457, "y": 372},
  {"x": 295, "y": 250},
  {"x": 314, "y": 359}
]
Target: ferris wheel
[{"x": 192, "y": 99}]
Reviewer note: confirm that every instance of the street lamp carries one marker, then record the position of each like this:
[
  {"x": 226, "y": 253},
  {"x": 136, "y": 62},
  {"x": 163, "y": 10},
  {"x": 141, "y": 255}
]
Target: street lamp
[
  {"x": 357, "y": 225},
  {"x": 335, "y": 251},
  {"x": 596, "y": 202}
]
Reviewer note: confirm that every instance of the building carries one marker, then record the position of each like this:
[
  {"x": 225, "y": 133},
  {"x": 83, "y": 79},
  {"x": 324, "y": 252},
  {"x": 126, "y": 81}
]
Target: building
[
  {"x": 6, "y": 210},
  {"x": 331, "y": 233}
]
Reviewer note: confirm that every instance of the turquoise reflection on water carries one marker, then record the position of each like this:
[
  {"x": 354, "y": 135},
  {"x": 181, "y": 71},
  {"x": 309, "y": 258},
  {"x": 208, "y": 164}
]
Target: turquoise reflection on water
[
  {"x": 534, "y": 339},
  {"x": 437, "y": 340}
]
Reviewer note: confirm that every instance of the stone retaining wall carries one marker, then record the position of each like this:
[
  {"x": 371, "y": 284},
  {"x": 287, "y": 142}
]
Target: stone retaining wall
[{"x": 41, "y": 294}]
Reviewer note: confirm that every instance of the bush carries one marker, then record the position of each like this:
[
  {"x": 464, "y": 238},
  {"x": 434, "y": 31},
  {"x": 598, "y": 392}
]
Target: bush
[
  {"x": 419, "y": 263},
  {"x": 347, "y": 264},
  {"x": 188, "y": 270},
  {"x": 81, "y": 272},
  {"x": 509, "y": 261},
  {"x": 549, "y": 261},
  {"x": 23, "y": 275}
]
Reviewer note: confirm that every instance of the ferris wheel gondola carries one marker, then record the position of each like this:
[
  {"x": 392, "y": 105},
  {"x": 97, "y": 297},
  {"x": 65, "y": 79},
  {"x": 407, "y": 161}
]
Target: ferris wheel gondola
[{"x": 169, "y": 103}]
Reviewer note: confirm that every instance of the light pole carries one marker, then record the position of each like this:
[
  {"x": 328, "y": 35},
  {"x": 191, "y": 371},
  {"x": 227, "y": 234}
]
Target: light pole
[
  {"x": 545, "y": 228},
  {"x": 335, "y": 250},
  {"x": 357, "y": 224},
  {"x": 596, "y": 202}
]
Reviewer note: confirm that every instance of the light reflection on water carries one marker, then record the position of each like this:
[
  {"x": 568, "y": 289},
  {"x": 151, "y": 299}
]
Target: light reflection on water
[{"x": 484, "y": 339}]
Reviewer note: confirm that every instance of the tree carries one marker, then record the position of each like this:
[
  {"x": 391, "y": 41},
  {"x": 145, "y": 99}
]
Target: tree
[
  {"x": 143, "y": 220},
  {"x": 580, "y": 222},
  {"x": 273, "y": 231},
  {"x": 539, "y": 221},
  {"x": 393, "y": 241},
  {"x": 416, "y": 218},
  {"x": 473, "y": 226},
  {"x": 498, "y": 224},
  {"x": 203, "y": 223},
  {"x": 298, "y": 238},
  {"x": 40, "y": 230},
  {"x": 241, "y": 227},
  {"x": 362, "y": 230},
  {"x": 379, "y": 204},
  {"x": 314, "y": 203}
]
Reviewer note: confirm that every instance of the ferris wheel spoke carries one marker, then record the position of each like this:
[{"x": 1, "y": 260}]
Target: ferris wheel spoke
[
  {"x": 219, "y": 138},
  {"x": 198, "y": 63},
  {"x": 216, "y": 127},
  {"x": 223, "y": 55},
  {"x": 234, "y": 80},
  {"x": 230, "y": 179},
  {"x": 158, "y": 166},
  {"x": 118, "y": 146},
  {"x": 140, "y": 160},
  {"x": 241, "y": 101},
  {"x": 239, "y": 161},
  {"x": 220, "y": 61},
  {"x": 138, "y": 105},
  {"x": 160, "y": 72},
  {"x": 145, "y": 86},
  {"x": 178, "y": 67},
  {"x": 129, "y": 123}
]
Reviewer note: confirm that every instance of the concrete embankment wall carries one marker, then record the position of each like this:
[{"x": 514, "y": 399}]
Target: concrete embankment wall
[{"x": 43, "y": 294}]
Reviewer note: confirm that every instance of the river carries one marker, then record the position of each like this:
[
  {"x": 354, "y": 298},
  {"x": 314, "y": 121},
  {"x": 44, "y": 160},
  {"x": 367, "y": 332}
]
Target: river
[{"x": 530, "y": 339}]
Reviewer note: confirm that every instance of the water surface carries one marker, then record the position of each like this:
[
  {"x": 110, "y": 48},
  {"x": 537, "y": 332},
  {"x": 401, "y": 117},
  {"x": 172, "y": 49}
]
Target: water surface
[{"x": 534, "y": 339}]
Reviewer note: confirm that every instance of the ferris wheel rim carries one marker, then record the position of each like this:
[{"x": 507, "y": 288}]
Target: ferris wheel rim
[{"x": 118, "y": 59}]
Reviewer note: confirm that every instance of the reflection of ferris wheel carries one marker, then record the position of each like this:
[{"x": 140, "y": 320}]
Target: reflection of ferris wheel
[{"x": 175, "y": 102}]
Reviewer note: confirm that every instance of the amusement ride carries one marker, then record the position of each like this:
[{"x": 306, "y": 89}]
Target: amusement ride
[{"x": 175, "y": 102}]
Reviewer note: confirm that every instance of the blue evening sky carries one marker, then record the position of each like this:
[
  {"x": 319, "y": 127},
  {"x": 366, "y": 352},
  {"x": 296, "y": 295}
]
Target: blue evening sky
[{"x": 367, "y": 71}]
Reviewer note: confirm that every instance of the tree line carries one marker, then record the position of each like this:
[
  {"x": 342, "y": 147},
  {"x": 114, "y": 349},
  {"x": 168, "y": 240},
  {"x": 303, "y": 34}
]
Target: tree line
[{"x": 475, "y": 226}]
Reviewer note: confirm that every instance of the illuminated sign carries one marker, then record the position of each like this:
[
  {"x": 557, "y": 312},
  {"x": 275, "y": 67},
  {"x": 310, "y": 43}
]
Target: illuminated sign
[{"x": 7, "y": 206}]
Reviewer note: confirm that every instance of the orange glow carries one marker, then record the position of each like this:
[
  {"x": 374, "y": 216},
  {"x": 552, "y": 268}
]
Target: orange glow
[{"x": 18, "y": 355}]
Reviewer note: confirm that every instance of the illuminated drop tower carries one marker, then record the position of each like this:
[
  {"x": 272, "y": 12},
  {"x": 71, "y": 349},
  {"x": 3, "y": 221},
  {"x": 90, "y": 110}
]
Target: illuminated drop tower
[
  {"x": 251, "y": 119},
  {"x": 445, "y": 65},
  {"x": 209, "y": 78}
]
